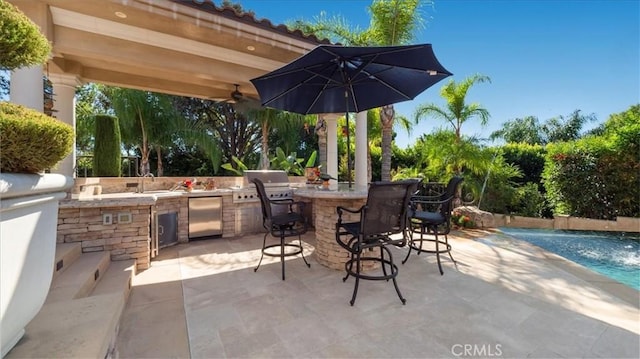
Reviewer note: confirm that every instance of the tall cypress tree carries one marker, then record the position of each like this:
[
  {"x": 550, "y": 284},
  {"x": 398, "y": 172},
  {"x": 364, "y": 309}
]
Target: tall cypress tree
[{"x": 106, "y": 154}]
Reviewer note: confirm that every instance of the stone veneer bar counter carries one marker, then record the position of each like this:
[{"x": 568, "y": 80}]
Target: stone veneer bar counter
[{"x": 324, "y": 202}]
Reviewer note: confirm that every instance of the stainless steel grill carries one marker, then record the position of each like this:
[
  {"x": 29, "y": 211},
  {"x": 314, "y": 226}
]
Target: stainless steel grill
[{"x": 276, "y": 184}]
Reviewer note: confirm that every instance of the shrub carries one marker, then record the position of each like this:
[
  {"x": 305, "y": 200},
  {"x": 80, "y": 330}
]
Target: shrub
[
  {"x": 31, "y": 141},
  {"x": 598, "y": 176},
  {"x": 21, "y": 43},
  {"x": 528, "y": 158},
  {"x": 530, "y": 193},
  {"x": 500, "y": 195},
  {"x": 529, "y": 201},
  {"x": 106, "y": 154},
  {"x": 574, "y": 180}
]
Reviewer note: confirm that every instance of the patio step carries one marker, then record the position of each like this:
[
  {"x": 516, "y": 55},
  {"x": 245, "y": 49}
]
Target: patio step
[
  {"x": 80, "y": 278},
  {"x": 81, "y": 315},
  {"x": 78, "y": 328},
  {"x": 117, "y": 279},
  {"x": 66, "y": 254}
]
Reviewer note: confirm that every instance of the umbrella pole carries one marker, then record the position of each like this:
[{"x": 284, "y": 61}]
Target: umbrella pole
[{"x": 346, "y": 116}]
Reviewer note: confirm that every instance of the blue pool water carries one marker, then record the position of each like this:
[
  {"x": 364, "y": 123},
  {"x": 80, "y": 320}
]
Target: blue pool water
[{"x": 615, "y": 255}]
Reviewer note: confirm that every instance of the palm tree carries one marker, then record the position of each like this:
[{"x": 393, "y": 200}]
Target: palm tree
[
  {"x": 457, "y": 111},
  {"x": 375, "y": 136},
  {"x": 393, "y": 22},
  {"x": 459, "y": 153},
  {"x": 266, "y": 117},
  {"x": 145, "y": 119},
  {"x": 293, "y": 132},
  {"x": 286, "y": 126}
]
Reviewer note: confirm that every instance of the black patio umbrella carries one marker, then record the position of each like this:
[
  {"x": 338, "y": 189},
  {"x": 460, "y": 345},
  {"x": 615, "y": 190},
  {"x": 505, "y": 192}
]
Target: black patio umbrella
[{"x": 332, "y": 79}]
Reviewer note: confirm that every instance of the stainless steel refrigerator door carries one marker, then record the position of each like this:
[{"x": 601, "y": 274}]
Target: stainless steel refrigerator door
[{"x": 205, "y": 217}]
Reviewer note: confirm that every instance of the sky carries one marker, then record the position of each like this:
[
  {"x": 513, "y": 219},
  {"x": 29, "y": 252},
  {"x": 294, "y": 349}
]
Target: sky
[{"x": 545, "y": 58}]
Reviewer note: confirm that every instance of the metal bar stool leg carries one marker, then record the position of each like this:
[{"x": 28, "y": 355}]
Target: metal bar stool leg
[
  {"x": 349, "y": 267},
  {"x": 264, "y": 242},
  {"x": 410, "y": 246},
  {"x": 355, "y": 287},
  {"x": 302, "y": 252},
  {"x": 438, "y": 252},
  {"x": 394, "y": 272},
  {"x": 384, "y": 267},
  {"x": 446, "y": 240},
  {"x": 282, "y": 252}
]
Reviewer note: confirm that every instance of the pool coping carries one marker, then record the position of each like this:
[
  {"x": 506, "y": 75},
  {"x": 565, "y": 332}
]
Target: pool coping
[{"x": 617, "y": 289}]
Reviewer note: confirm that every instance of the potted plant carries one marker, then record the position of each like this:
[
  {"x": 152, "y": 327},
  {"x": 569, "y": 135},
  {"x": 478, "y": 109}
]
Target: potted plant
[
  {"x": 30, "y": 143},
  {"x": 311, "y": 171}
]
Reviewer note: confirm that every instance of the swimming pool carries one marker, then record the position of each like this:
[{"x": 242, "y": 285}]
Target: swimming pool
[{"x": 615, "y": 255}]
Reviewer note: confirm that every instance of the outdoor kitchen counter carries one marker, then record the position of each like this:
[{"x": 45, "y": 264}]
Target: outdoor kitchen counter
[
  {"x": 126, "y": 224},
  {"x": 324, "y": 202},
  {"x": 134, "y": 199}
]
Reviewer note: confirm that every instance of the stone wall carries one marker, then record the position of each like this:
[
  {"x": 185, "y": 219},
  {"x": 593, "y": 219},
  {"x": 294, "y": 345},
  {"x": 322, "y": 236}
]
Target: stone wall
[
  {"x": 327, "y": 251},
  {"x": 622, "y": 224},
  {"x": 484, "y": 219},
  {"x": 122, "y": 240},
  {"x": 228, "y": 217}
]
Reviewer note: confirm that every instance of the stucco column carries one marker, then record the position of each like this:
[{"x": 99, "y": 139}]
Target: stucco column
[
  {"x": 64, "y": 90},
  {"x": 321, "y": 131},
  {"x": 27, "y": 84},
  {"x": 332, "y": 144},
  {"x": 27, "y": 87},
  {"x": 361, "y": 180}
]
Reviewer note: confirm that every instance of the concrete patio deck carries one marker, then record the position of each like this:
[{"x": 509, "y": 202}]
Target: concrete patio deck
[{"x": 505, "y": 299}]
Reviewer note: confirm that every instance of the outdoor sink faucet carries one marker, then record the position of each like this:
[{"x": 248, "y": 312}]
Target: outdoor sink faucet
[{"x": 148, "y": 174}]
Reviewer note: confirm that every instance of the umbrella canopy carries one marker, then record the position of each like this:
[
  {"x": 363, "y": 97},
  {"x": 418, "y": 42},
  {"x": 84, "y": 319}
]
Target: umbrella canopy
[
  {"x": 333, "y": 79},
  {"x": 370, "y": 76}
]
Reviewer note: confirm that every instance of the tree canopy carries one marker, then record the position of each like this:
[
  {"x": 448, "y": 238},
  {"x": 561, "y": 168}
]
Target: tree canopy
[{"x": 530, "y": 130}]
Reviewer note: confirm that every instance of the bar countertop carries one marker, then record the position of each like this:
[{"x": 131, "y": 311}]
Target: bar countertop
[
  {"x": 330, "y": 193},
  {"x": 148, "y": 198}
]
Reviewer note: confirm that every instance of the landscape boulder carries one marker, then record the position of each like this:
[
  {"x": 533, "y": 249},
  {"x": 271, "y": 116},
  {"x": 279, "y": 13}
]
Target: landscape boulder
[{"x": 482, "y": 219}]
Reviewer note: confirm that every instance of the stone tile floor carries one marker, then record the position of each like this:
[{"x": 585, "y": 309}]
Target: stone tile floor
[{"x": 503, "y": 299}]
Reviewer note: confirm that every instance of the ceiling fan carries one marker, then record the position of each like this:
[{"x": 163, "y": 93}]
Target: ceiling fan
[
  {"x": 240, "y": 100},
  {"x": 236, "y": 95}
]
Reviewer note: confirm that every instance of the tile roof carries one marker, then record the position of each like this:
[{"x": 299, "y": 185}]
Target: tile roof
[{"x": 248, "y": 18}]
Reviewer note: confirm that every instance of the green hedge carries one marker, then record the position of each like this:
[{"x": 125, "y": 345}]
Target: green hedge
[
  {"x": 529, "y": 196},
  {"x": 106, "y": 154},
  {"x": 529, "y": 159},
  {"x": 597, "y": 176},
  {"x": 31, "y": 141},
  {"x": 21, "y": 42}
]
